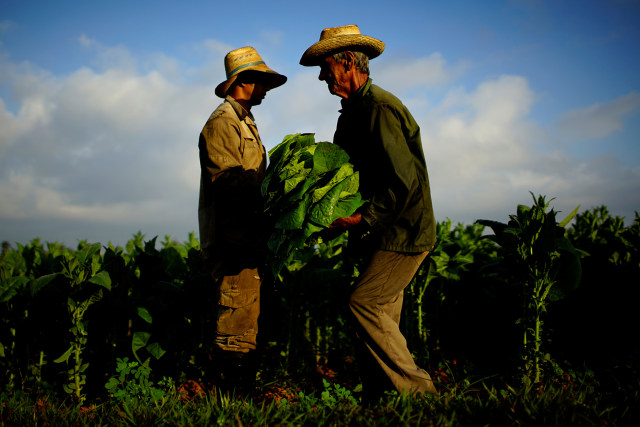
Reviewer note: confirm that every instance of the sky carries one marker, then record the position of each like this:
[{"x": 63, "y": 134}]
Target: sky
[{"x": 102, "y": 103}]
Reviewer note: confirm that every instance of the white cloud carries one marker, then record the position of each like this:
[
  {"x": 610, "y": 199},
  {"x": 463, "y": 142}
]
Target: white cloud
[
  {"x": 599, "y": 120},
  {"x": 116, "y": 146},
  {"x": 302, "y": 105},
  {"x": 85, "y": 41},
  {"x": 216, "y": 47},
  {"x": 99, "y": 145},
  {"x": 487, "y": 127},
  {"x": 401, "y": 74},
  {"x": 484, "y": 156},
  {"x": 273, "y": 37},
  {"x": 109, "y": 57}
]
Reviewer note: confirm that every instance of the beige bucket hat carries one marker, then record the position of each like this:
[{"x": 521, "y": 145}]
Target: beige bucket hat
[
  {"x": 246, "y": 59},
  {"x": 336, "y": 39}
]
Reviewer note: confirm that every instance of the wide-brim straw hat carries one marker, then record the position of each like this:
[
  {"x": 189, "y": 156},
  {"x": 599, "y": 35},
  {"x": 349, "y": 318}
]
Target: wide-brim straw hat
[
  {"x": 243, "y": 60},
  {"x": 338, "y": 39}
]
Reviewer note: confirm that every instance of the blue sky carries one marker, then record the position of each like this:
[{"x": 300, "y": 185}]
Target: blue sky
[{"x": 101, "y": 104}]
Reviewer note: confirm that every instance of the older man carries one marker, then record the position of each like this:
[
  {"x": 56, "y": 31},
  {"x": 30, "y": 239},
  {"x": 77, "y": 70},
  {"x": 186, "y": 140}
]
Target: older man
[
  {"x": 395, "y": 230},
  {"x": 233, "y": 164}
]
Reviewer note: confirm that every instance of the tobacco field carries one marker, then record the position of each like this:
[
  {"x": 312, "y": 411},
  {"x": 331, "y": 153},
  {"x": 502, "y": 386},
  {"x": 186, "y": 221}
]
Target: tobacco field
[{"x": 529, "y": 322}]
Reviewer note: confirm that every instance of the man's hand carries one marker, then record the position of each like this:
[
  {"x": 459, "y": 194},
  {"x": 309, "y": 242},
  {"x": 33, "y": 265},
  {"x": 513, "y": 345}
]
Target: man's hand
[{"x": 347, "y": 221}]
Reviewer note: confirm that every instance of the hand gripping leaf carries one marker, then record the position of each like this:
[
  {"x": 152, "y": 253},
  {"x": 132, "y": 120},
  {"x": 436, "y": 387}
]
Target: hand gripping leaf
[{"x": 308, "y": 185}]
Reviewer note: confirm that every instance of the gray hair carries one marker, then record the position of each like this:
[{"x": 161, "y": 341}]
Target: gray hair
[{"x": 361, "y": 60}]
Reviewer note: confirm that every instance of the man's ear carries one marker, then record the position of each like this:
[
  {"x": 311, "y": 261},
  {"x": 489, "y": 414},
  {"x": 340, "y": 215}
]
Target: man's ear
[{"x": 348, "y": 60}]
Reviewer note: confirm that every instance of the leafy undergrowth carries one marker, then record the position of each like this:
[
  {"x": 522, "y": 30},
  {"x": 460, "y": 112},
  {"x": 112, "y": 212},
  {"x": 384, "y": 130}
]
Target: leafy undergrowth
[{"x": 325, "y": 399}]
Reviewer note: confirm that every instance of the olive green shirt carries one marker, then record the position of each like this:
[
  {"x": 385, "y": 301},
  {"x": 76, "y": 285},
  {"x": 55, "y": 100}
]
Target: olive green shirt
[
  {"x": 383, "y": 143},
  {"x": 232, "y": 167}
]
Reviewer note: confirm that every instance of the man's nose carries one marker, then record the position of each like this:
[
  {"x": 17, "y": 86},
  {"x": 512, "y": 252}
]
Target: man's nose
[{"x": 322, "y": 75}]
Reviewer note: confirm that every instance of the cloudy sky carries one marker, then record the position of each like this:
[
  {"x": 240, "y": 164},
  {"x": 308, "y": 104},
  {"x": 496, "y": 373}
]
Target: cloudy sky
[{"x": 101, "y": 103}]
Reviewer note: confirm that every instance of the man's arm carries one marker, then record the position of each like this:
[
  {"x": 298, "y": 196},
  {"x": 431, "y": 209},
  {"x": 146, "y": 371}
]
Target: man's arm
[
  {"x": 397, "y": 174},
  {"x": 220, "y": 147},
  {"x": 347, "y": 222}
]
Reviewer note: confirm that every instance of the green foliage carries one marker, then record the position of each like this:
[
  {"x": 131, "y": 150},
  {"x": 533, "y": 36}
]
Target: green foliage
[
  {"x": 576, "y": 400},
  {"x": 458, "y": 247},
  {"x": 150, "y": 302},
  {"x": 307, "y": 186},
  {"x": 335, "y": 394},
  {"x": 82, "y": 273},
  {"x": 132, "y": 385},
  {"x": 84, "y": 308},
  {"x": 605, "y": 237},
  {"x": 603, "y": 310},
  {"x": 546, "y": 267}
]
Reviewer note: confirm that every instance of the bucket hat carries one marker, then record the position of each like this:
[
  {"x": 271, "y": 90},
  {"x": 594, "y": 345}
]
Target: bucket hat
[
  {"x": 336, "y": 39},
  {"x": 246, "y": 59}
]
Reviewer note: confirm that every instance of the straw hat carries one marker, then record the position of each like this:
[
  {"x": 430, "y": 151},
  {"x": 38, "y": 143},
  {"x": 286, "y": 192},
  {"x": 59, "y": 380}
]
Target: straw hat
[
  {"x": 246, "y": 59},
  {"x": 336, "y": 39}
]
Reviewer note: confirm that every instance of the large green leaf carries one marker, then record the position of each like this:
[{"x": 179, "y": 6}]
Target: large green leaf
[
  {"x": 41, "y": 282},
  {"x": 155, "y": 350},
  {"x": 328, "y": 157},
  {"x": 144, "y": 314},
  {"x": 348, "y": 205},
  {"x": 323, "y": 212},
  {"x": 65, "y": 356},
  {"x": 345, "y": 171},
  {"x": 11, "y": 287},
  {"x": 277, "y": 238},
  {"x": 307, "y": 186},
  {"x": 85, "y": 254},
  {"x": 297, "y": 163},
  {"x": 294, "y": 219},
  {"x": 140, "y": 340},
  {"x": 103, "y": 279}
]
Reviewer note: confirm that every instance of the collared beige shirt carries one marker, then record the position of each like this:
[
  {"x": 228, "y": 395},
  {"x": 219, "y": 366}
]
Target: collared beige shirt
[{"x": 233, "y": 163}]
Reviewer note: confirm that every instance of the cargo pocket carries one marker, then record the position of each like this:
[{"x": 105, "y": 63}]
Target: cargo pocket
[
  {"x": 239, "y": 304},
  {"x": 237, "y": 298}
]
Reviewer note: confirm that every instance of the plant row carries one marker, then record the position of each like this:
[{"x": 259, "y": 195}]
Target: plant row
[{"x": 527, "y": 300}]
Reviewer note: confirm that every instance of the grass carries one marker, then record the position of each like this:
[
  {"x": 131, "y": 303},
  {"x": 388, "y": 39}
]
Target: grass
[{"x": 570, "y": 400}]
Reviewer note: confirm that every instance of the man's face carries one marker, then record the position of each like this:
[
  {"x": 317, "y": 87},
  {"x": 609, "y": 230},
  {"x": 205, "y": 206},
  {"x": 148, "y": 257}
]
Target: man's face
[
  {"x": 335, "y": 75},
  {"x": 257, "y": 91}
]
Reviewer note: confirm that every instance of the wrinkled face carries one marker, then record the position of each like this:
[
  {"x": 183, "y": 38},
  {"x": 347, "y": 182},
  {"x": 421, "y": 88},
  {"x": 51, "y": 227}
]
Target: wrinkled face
[{"x": 335, "y": 75}]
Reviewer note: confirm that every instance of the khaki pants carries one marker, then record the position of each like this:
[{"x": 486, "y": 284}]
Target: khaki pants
[
  {"x": 376, "y": 302},
  {"x": 238, "y": 310}
]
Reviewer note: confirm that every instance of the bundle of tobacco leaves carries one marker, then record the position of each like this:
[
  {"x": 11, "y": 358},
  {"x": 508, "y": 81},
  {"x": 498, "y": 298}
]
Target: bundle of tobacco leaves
[{"x": 308, "y": 185}]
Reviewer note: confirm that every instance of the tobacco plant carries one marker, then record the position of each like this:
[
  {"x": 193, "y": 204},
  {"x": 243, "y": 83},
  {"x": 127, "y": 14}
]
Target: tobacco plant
[
  {"x": 545, "y": 266},
  {"x": 457, "y": 247},
  {"x": 83, "y": 275}
]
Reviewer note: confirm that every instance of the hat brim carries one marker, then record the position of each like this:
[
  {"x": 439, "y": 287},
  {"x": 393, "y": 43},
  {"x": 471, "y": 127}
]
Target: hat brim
[
  {"x": 272, "y": 79},
  {"x": 356, "y": 42}
]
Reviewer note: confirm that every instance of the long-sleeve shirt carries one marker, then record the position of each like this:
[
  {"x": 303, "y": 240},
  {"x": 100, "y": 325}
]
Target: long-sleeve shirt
[
  {"x": 383, "y": 142},
  {"x": 233, "y": 164}
]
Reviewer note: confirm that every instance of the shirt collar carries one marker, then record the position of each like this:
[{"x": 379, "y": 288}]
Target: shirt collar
[
  {"x": 239, "y": 109},
  {"x": 359, "y": 94}
]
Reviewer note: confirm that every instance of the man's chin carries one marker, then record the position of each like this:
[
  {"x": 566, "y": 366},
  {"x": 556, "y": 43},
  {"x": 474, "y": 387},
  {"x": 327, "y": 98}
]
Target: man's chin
[{"x": 332, "y": 91}]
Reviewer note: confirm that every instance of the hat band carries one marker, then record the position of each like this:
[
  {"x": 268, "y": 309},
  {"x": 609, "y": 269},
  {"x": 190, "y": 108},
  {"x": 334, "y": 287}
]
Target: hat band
[{"x": 243, "y": 66}]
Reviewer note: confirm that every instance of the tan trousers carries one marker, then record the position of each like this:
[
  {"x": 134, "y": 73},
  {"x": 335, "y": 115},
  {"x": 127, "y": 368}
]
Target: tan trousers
[
  {"x": 376, "y": 302},
  {"x": 238, "y": 310}
]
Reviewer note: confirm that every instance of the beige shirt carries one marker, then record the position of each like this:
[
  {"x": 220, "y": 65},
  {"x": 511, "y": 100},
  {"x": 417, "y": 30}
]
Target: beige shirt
[{"x": 233, "y": 163}]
